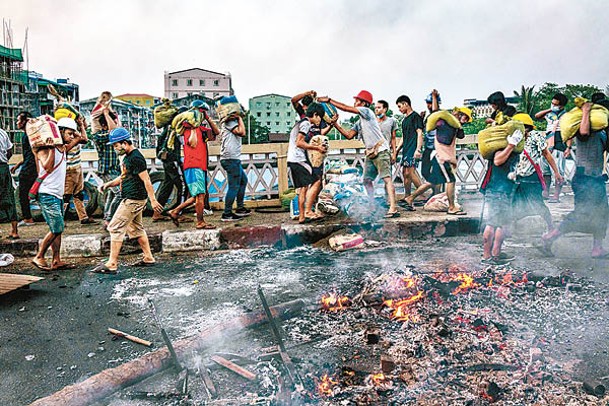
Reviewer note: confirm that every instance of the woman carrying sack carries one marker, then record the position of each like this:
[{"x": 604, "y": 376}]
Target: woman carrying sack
[{"x": 530, "y": 184}]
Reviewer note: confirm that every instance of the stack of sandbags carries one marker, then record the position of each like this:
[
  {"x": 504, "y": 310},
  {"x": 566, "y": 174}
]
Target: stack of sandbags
[
  {"x": 43, "y": 132},
  {"x": 493, "y": 139},
  {"x": 316, "y": 158},
  {"x": 432, "y": 120},
  {"x": 228, "y": 107},
  {"x": 571, "y": 120},
  {"x": 164, "y": 113}
]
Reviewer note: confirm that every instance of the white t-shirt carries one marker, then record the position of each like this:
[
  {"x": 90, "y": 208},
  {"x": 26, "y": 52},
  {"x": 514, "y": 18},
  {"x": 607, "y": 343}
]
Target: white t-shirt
[
  {"x": 5, "y": 146},
  {"x": 54, "y": 184},
  {"x": 231, "y": 143},
  {"x": 369, "y": 129},
  {"x": 296, "y": 154}
]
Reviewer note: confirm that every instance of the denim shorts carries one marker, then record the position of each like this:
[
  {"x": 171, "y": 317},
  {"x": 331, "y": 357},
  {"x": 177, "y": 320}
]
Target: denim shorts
[{"x": 52, "y": 211}]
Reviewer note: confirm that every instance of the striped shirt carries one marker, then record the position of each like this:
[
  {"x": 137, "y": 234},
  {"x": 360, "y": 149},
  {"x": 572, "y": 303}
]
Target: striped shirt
[
  {"x": 73, "y": 159},
  {"x": 107, "y": 163}
]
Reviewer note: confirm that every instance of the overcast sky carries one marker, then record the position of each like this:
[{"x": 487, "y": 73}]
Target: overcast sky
[{"x": 465, "y": 48}]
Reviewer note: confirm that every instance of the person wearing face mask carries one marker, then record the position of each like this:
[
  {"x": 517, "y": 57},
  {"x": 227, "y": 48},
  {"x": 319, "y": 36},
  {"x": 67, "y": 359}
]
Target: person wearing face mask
[
  {"x": 556, "y": 146},
  {"x": 136, "y": 187}
]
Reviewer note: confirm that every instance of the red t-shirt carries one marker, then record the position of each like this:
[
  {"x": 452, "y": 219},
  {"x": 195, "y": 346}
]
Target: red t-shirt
[{"x": 196, "y": 157}]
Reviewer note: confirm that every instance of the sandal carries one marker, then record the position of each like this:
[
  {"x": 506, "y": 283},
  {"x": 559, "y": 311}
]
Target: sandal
[
  {"x": 103, "y": 269},
  {"x": 205, "y": 226},
  {"x": 459, "y": 212},
  {"x": 175, "y": 219},
  {"x": 143, "y": 264},
  {"x": 40, "y": 266},
  {"x": 162, "y": 218},
  {"x": 63, "y": 267},
  {"x": 392, "y": 215},
  {"x": 406, "y": 206}
]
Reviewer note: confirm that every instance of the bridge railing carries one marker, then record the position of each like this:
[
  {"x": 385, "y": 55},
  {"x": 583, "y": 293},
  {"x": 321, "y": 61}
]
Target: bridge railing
[{"x": 268, "y": 174}]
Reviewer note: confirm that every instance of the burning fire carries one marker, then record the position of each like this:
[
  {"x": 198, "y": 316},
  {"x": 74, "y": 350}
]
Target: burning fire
[
  {"x": 467, "y": 283},
  {"x": 378, "y": 379},
  {"x": 325, "y": 385},
  {"x": 333, "y": 302},
  {"x": 400, "y": 308}
]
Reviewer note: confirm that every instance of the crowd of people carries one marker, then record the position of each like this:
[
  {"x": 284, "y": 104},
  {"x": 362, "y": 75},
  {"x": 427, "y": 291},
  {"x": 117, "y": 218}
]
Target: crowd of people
[{"x": 515, "y": 186}]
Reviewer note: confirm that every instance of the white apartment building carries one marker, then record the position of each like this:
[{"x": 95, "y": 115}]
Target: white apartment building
[{"x": 197, "y": 81}]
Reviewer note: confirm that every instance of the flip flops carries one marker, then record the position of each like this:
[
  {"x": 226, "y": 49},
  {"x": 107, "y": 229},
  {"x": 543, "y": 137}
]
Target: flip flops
[
  {"x": 392, "y": 215},
  {"x": 459, "y": 212},
  {"x": 406, "y": 206},
  {"x": 45, "y": 268},
  {"x": 205, "y": 226},
  {"x": 103, "y": 269},
  {"x": 64, "y": 267},
  {"x": 175, "y": 219},
  {"x": 143, "y": 264}
]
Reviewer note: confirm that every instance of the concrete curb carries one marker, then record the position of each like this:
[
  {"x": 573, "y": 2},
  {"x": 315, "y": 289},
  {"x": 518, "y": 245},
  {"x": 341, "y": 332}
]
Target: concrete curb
[{"x": 278, "y": 236}]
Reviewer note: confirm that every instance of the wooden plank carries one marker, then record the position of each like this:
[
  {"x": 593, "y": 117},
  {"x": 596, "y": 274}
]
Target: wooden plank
[
  {"x": 9, "y": 281},
  {"x": 233, "y": 367}
]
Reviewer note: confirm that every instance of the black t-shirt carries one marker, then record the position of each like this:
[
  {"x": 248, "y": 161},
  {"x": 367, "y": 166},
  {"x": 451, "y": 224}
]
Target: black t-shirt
[
  {"x": 29, "y": 161},
  {"x": 410, "y": 125},
  {"x": 132, "y": 186}
]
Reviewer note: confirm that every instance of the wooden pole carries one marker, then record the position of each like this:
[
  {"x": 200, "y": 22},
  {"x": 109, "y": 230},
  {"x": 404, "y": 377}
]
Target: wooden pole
[{"x": 109, "y": 381}]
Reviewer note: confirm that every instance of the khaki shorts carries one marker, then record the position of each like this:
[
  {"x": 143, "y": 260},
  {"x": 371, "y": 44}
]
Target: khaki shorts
[
  {"x": 127, "y": 220},
  {"x": 379, "y": 166},
  {"x": 75, "y": 182}
]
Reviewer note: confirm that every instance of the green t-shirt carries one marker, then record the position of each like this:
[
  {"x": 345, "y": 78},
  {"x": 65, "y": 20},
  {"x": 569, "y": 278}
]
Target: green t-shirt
[{"x": 132, "y": 186}]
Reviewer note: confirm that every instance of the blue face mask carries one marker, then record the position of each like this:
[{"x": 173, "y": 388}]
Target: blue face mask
[
  {"x": 556, "y": 109},
  {"x": 380, "y": 115}
]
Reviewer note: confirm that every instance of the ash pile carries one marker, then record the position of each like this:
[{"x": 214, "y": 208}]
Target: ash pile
[{"x": 455, "y": 337}]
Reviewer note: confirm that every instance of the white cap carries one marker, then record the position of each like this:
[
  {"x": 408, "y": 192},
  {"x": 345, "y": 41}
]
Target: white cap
[{"x": 66, "y": 122}]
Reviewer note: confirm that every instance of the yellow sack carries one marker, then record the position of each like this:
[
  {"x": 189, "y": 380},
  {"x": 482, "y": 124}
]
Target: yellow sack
[
  {"x": 441, "y": 115},
  {"x": 62, "y": 113},
  {"x": 493, "y": 139},
  {"x": 164, "y": 113},
  {"x": 571, "y": 120}
]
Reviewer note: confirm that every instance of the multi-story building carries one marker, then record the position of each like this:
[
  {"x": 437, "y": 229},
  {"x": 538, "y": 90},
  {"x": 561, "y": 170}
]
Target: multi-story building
[
  {"x": 482, "y": 108},
  {"x": 21, "y": 90},
  {"x": 273, "y": 111},
  {"x": 139, "y": 99},
  {"x": 197, "y": 81},
  {"x": 13, "y": 83},
  {"x": 137, "y": 120}
]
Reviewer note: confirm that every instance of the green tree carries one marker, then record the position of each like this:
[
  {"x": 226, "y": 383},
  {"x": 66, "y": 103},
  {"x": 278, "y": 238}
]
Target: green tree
[
  {"x": 258, "y": 133},
  {"x": 527, "y": 97},
  {"x": 477, "y": 125}
]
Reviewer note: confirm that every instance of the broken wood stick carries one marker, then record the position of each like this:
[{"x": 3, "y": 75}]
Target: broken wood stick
[
  {"x": 129, "y": 337},
  {"x": 233, "y": 367},
  {"x": 210, "y": 388},
  {"x": 109, "y": 381}
]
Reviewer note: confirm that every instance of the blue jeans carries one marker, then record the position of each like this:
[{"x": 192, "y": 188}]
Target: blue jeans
[
  {"x": 237, "y": 182},
  {"x": 52, "y": 211}
]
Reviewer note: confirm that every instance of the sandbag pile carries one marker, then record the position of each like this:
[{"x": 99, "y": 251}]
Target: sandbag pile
[
  {"x": 432, "y": 121},
  {"x": 571, "y": 120},
  {"x": 43, "y": 132},
  {"x": 493, "y": 139},
  {"x": 164, "y": 113}
]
